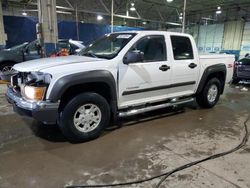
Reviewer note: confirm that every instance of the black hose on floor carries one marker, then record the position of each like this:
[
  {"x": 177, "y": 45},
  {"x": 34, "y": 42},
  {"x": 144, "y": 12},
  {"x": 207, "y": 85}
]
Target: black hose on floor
[{"x": 167, "y": 174}]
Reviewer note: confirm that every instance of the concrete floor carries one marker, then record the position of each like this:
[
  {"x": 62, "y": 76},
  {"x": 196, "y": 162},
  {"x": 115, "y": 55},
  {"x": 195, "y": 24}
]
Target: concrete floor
[{"x": 34, "y": 155}]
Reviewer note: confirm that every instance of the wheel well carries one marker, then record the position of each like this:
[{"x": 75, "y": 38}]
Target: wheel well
[
  {"x": 220, "y": 76},
  {"x": 101, "y": 88},
  {"x": 7, "y": 63}
]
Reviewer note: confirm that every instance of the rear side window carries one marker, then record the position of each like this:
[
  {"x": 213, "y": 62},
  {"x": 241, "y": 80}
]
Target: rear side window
[
  {"x": 182, "y": 48},
  {"x": 153, "y": 47}
]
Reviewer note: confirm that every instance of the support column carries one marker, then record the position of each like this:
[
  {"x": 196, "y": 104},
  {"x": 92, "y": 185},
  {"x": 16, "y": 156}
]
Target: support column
[
  {"x": 48, "y": 20},
  {"x": 2, "y": 33},
  {"x": 184, "y": 16}
]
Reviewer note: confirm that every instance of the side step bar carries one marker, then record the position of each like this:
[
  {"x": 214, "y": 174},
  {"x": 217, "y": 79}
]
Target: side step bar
[{"x": 153, "y": 107}]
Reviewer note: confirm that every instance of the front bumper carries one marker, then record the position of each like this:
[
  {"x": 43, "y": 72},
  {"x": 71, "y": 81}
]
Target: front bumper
[{"x": 43, "y": 111}]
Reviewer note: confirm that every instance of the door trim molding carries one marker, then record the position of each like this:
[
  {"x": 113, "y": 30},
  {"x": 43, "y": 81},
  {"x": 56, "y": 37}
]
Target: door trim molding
[{"x": 158, "y": 88}]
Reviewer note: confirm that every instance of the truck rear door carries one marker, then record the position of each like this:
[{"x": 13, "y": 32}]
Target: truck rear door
[{"x": 185, "y": 66}]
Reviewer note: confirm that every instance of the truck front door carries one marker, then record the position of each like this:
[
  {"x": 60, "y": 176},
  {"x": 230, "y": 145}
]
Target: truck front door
[{"x": 145, "y": 81}]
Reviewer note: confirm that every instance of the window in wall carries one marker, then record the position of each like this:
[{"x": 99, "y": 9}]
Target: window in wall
[
  {"x": 182, "y": 48},
  {"x": 153, "y": 47}
]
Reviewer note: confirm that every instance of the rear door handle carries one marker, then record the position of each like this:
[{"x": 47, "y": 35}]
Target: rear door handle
[
  {"x": 164, "y": 68},
  {"x": 192, "y": 65}
]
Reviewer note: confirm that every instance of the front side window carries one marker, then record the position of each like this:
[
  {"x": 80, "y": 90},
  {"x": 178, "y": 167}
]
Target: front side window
[
  {"x": 182, "y": 48},
  {"x": 153, "y": 48},
  {"x": 108, "y": 46}
]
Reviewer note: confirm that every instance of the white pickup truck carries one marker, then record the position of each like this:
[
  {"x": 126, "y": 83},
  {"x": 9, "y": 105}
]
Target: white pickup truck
[{"x": 120, "y": 74}]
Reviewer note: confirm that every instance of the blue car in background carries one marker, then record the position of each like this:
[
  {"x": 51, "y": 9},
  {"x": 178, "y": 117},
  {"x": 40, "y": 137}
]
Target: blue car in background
[
  {"x": 242, "y": 70},
  {"x": 31, "y": 50}
]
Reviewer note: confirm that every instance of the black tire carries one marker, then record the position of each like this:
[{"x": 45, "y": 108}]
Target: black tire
[
  {"x": 67, "y": 115},
  {"x": 203, "y": 99}
]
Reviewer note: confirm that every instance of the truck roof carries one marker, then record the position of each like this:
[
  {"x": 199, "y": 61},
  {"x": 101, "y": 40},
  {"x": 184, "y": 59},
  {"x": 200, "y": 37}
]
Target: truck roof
[{"x": 154, "y": 32}]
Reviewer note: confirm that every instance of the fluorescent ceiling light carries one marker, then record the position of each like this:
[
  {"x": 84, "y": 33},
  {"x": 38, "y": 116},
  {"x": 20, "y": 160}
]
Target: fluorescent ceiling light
[
  {"x": 181, "y": 16},
  {"x": 24, "y": 13},
  {"x": 169, "y": 1},
  {"x": 132, "y": 9},
  {"x": 99, "y": 17},
  {"x": 63, "y": 12},
  {"x": 173, "y": 23},
  {"x": 218, "y": 11}
]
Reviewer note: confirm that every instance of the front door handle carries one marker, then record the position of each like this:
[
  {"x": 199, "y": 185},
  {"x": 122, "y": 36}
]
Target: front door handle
[
  {"x": 164, "y": 68},
  {"x": 192, "y": 65}
]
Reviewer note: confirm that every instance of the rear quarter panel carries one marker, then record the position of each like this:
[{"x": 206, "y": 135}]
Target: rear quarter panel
[{"x": 213, "y": 59}]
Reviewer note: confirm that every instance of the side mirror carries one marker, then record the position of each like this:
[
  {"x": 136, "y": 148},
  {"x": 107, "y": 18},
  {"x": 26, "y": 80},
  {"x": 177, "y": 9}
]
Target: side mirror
[
  {"x": 133, "y": 57},
  {"x": 247, "y": 55}
]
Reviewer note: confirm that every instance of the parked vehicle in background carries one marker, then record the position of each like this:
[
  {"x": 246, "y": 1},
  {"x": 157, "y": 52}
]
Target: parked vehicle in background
[
  {"x": 17, "y": 54},
  {"x": 31, "y": 50},
  {"x": 120, "y": 74},
  {"x": 241, "y": 70},
  {"x": 68, "y": 47}
]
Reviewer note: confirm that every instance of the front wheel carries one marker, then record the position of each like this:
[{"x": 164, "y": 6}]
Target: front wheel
[
  {"x": 210, "y": 94},
  {"x": 84, "y": 117}
]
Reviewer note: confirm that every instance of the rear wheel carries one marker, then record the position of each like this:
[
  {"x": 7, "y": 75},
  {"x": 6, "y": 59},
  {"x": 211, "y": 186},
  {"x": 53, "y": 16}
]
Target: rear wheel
[
  {"x": 210, "y": 94},
  {"x": 84, "y": 117}
]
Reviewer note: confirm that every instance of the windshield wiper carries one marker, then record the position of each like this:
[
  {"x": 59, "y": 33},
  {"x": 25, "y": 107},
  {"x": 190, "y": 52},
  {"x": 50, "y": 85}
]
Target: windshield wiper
[{"x": 90, "y": 54}]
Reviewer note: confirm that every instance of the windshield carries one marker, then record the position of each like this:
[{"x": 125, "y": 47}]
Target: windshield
[
  {"x": 108, "y": 46},
  {"x": 19, "y": 46}
]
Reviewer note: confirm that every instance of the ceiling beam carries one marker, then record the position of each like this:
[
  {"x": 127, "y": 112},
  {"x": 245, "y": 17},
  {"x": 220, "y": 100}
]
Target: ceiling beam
[{"x": 104, "y": 6}]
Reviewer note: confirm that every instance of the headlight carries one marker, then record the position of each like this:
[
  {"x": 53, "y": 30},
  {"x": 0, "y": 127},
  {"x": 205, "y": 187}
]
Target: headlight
[{"x": 34, "y": 93}]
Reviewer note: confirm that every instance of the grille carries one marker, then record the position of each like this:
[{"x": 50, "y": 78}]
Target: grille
[{"x": 243, "y": 71}]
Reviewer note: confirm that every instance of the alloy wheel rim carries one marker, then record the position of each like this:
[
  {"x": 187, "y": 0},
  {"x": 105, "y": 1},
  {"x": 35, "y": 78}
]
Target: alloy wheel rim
[
  {"x": 87, "y": 118},
  {"x": 212, "y": 93}
]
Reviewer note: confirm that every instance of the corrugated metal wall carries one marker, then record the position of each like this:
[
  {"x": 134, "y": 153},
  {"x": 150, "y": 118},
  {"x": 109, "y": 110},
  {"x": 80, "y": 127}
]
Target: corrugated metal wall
[
  {"x": 245, "y": 46},
  {"x": 233, "y": 35},
  {"x": 194, "y": 31},
  {"x": 210, "y": 38}
]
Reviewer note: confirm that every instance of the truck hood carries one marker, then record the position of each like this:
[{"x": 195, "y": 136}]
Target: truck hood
[{"x": 44, "y": 63}]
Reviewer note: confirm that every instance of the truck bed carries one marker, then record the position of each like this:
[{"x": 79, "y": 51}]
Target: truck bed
[{"x": 210, "y": 59}]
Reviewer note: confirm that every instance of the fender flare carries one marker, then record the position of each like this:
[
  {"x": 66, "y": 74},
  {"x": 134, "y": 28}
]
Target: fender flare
[
  {"x": 96, "y": 76},
  {"x": 218, "y": 68}
]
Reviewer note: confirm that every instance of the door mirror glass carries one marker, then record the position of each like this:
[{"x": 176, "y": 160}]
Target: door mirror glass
[{"x": 133, "y": 57}]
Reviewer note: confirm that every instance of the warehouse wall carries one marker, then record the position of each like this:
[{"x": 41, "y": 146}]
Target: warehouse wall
[
  {"x": 233, "y": 35},
  {"x": 245, "y": 45},
  {"x": 23, "y": 29},
  {"x": 210, "y": 38}
]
